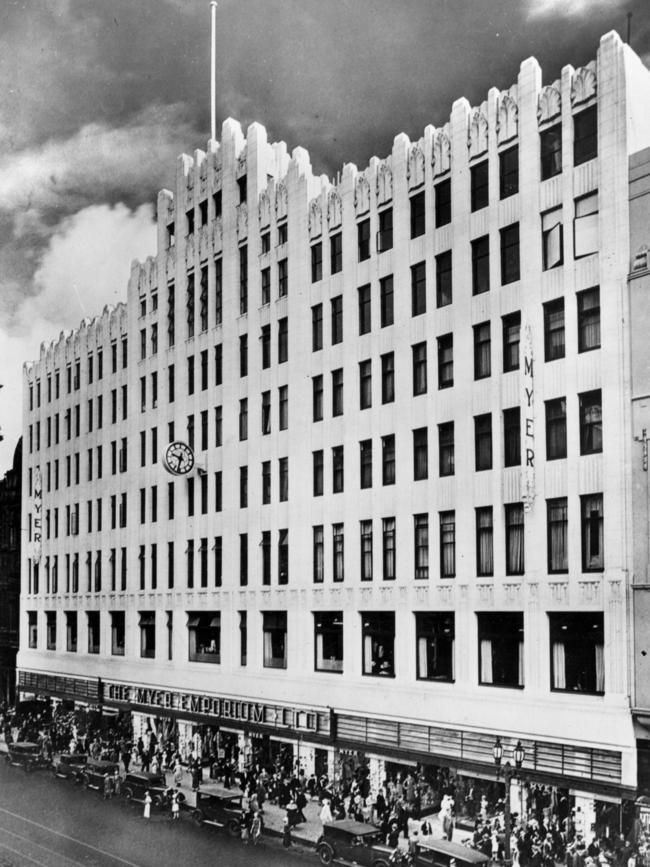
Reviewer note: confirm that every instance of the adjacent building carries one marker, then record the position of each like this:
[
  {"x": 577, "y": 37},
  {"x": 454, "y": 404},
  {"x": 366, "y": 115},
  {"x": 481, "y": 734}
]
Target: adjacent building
[
  {"x": 10, "y": 516},
  {"x": 352, "y": 476}
]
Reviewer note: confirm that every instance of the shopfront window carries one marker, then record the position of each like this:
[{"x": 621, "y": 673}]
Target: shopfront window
[
  {"x": 378, "y": 630},
  {"x": 577, "y": 652},
  {"x": 501, "y": 649},
  {"x": 328, "y": 640},
  {"x": 434, "y": 635},
  {"x": 275, "y": 639},
  {"x": 117, "y": 633},
  {"x": 204, "y": 633},
  {"x": 148, "y": 634}
]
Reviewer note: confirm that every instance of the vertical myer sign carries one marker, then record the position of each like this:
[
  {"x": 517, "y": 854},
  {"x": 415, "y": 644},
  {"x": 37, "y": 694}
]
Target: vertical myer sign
[
  {"x": 37, "y": 526},
  {"x": 528, "y": 420}
]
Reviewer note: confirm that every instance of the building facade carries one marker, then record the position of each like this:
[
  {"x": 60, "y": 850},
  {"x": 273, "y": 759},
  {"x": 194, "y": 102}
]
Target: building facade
[
  {"x": 350, "y": 477},
  {"x": 10, "y": 515}
]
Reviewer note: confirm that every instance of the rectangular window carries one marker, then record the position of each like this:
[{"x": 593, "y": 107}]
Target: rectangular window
[
  {"x": 555, "y": 429},
  {"x": 443, "y": 202},
  {"x": 218, "y": 364},
  {"x": 481, "y": 265},
  {"x": 511, "y": 339},
  {"x": 218, "y": 425},
  {"x": 589, "y": 319},
  {"x": 71, "y": 631},
  {"x": 93, "y": 631},
  {"x": 337, "y": 392},
  {"x": 483, "y": 442},
  {"x": 418, "y": 215},
  {"x": 418, "y": 289},
  {"x": 510, "y": 254},
  {"x": 501, "y": 649},
  {"x": 386, "y": 300},
  {"x": 552, "y": 239},
  {"x": 148, "y": 634},
  {"x": 190, "y": 374},
  {"x": 512, "y": 437},
  {"x": 446, "y": 449},
  {"x": 243, "y": 487},
  {"x": 204, "y": 636},
  {"x": 378, "y": 643},
  {"x": 509, "y": 172},
  {"x": 328, "y": 641},
  {"x": 218, "y": 491},
  {"x": 479, "y": 188},
  {"x": 266, "y": 286},
  {"x": 365, "y": 463},
  {"x": 550, "y": 141},
  {"x": 577, "y": 652},
  {"x": 557, "y": 535},
  {"x": 283, "y": 407},
  {"x": 482, "y": 351},
  {"x": 203, "y": 301},
  {"x": 283, "y": 556},
  {"x": 585, "y": 226},
  {"x": 443, "y": 279},
  {"x": 283, "y": 340},
  {"x": 446, "y": 361},
  {"x": 170, "y": 383},
  {"x": 50, "y": 631},
  {"x": 266, "y": 482},
  {"x": 364, "y": 309},
  {"x": 283, "y": 278},
  {"x": 484, "y": 542},
  {"x": 317, "y": 473},
  {"x": 419, "y": 351},
  {"x": 283, "y": 468},
  {"x": 385, "y": 233},
  {"x": 243, "y": 419},
  {"x": 388, "y": 377},
  {"x": 365, "y": 384},
  {"x": 420, "y": 454},
  {"x": 421, "y": 546},
  {"x": 336, "y": 253},
  {"x": 363, "y": 239},
  {"x": 585, "y": 135},
  {"x": 32, "y": 629},
  {"x": 275, "y": 639},
  {"x": 554, "y": 329},
  {"x": 591, "y": 422},
  {"x": 318, "y": 553},
  {"x": 118, "y": 633},
  {"x": 189, "y": 305},
  {"x": 243, "y": 355},
  {"x": 316, "y": 327},
  {"x": 170, "y": 565},
  {"x": 337, "y": 470},
  {"x": 388, "y": 548},
  {"x": 337, "y": 319},
  {"x": 243, "y": 559},
  {"x": 316, "y": 262},
  {"x": 317, "y": 397},
  {"x": 265, "y": 338},
  {"x": 243, "y": 280},
  {"x": 388, "y": 460},
  {"x": 434, "y": 637},
  {"x": 243, "y": 637},
  {"x": 514, "y": 514},
  {"x": 266, "y": 558},
  {"x": 218, "y": 291}
]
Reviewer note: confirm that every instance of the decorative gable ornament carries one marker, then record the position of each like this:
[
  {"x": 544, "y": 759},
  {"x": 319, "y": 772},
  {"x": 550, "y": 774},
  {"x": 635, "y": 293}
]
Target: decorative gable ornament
[
  {"x": 384, "y": 183},
  {"x": 549, "y": 104},
  {"x": 584, "y": 84},
  {"x": 361, "y": 195},
  {"x": 507, "y": 118},
  {"x": 477, "y": 138},
  {"x": 415, "y": 166},
  {"x": 315, "y": 219},
  {"x": 441, "y": 154},
  {"x": 334, "y": 209}
]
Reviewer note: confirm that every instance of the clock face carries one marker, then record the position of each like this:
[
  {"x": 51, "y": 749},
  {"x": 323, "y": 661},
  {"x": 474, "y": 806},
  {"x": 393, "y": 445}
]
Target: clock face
[{"x": 178, "y": 458}]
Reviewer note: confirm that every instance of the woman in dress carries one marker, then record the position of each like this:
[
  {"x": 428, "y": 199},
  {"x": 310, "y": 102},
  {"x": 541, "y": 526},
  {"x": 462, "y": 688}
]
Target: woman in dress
[{"x": 147, "y": 805}]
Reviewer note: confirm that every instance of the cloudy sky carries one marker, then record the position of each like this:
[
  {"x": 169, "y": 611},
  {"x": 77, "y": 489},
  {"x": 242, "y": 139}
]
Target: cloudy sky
[{"x": 99, "y": 96}]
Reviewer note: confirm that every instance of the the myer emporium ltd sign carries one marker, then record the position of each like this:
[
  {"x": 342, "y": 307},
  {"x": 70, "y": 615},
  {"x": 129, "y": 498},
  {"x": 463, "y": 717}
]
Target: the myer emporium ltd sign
[{"x": 223, "y": 709}]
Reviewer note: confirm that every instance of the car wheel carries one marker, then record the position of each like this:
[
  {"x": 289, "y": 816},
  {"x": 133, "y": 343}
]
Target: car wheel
[
  {"x": 180, "y": 797},
  {"x": 325, "y": 853},
  {"x": 197, "y": 815},
  {"x": 128, "y": 794},
  {"x": 157, "y": 801},
  {"x": 234, "y": 828}
]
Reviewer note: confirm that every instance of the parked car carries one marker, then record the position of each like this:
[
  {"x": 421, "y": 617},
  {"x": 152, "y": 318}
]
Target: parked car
[
  {"x": 92, "y": 776},
  {"x": 347, "y": 840},
  {"x": 136, "y": 783},
  {"x": 25, "y": 755},
  {"x": 220, "y": 808},
  {"x": 70, "y": 766},
  {"x": 440, "y": 853}
]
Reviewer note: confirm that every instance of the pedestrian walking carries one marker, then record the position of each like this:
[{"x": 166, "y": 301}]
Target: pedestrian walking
[
  {"x": 147, "y": 806},
  {"x": 176, "y": 807},
  {"x": 286, "y": 833},
  {"x": 108, "y": 787},
  {"x": 178, "y": 774},
  {"x": 256, "y": 829}
]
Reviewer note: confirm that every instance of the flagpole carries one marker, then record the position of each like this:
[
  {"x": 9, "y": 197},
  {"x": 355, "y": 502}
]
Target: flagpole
[{"x": 213, "y": 87}]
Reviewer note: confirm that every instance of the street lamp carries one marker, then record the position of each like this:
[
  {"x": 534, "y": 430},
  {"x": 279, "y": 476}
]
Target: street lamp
[{"x": 508, "y": 773}]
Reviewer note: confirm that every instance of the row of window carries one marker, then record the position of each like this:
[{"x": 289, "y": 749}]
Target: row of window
[
  {"x": 591, "y": 529},
  {"x": 576, "y": 643}
]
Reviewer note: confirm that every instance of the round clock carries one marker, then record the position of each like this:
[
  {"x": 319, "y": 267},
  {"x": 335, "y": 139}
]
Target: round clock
[{"x": 178, "y": 458}]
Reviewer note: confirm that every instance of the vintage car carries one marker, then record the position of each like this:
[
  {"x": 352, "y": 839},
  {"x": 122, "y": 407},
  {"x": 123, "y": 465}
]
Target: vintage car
[
  {"x": 220, "y": 808},
  {"x": 440, "y": 853},
  {"x": 25, "y": 755},
  {"x": 137, "y": 783},
  {"x": 70, "y": 766},
  {"x": 347, "y": 840},
  {"x": 92, "y": 776}
]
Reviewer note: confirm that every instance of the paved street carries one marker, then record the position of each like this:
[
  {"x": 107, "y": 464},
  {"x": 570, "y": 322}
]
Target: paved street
[{"x": 52, "y": 823}]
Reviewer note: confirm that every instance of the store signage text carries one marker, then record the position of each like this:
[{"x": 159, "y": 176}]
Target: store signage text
[
  {"x": 214, "y": 706},
  {"x": 37, "y": 523},
  {"x": 528, "y": 417}
]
